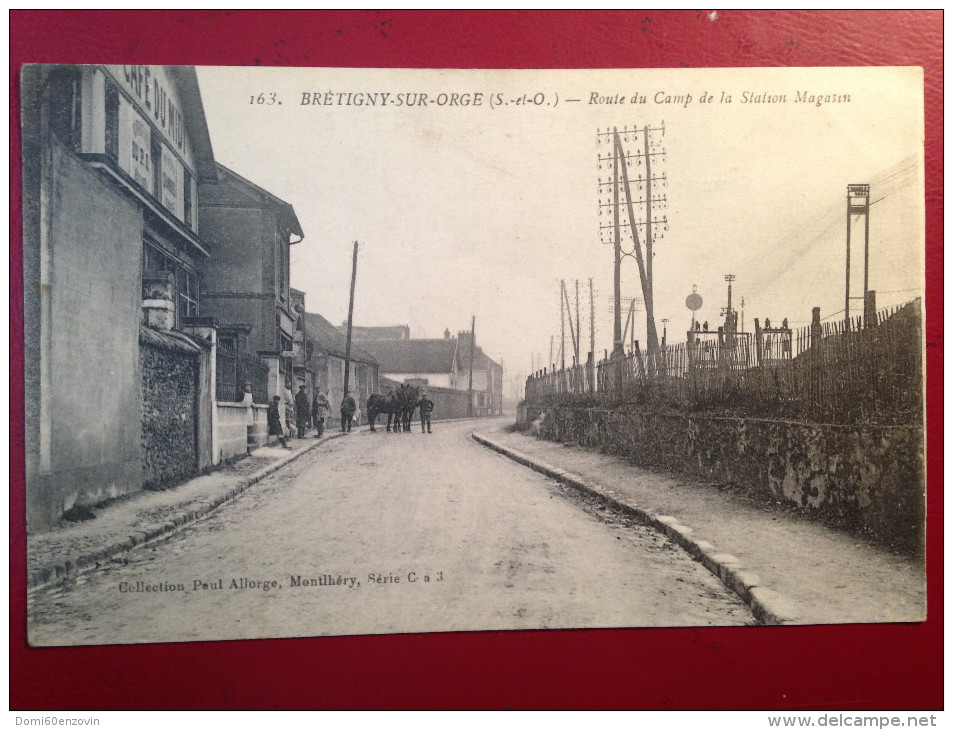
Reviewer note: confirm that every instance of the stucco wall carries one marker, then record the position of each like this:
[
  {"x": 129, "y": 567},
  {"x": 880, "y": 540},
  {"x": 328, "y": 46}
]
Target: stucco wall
[
  {"x": 447, "y": 403},
  {"x": 259, "y": 434},
  {"x": 86, "y": 405},
  {"x": 233, "y": 434},
  {"x": 864, "y": 478},
  {"x": 232, "y": 429}
]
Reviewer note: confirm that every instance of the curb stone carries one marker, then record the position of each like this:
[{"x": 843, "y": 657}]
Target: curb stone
[
  {"x": 48, "y": 575},
  {"x": 768, "y": 606}
]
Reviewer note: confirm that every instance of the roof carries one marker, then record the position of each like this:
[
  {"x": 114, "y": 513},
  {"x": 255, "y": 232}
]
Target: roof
[
  {"x": 480, "y": 359},
  {"x": 327, "y": 338},
  {"x": 193, "y": 117},
  {"x": 394, "y": 332},
  {"x": 413, "y": 356},
  {"x": 287, "y": 217}
]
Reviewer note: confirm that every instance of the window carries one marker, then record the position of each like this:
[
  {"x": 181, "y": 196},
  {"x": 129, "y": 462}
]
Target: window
[
  {"x": 154, "y": 259},
  {"x": 188, "y": 293},
  {"x": 186, "y": 279}
]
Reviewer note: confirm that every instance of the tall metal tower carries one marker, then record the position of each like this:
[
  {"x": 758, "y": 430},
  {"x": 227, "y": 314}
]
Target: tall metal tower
[
  {"x": 858, "y": 204},
  {"x": 637, "y": 148},
  {"x": 730, "y": 320}
]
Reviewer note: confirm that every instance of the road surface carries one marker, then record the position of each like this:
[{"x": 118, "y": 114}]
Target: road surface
[{"x": 390, "y": 533}]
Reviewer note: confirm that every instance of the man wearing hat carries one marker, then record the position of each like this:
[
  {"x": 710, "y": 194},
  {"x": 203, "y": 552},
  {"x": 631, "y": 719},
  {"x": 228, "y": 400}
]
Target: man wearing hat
[
  {"x": 320, "y": 408},
  {"x": 426, "y": 408},
  {"x": 348, "y": 407},
  {"x": 302, "y": 410}
]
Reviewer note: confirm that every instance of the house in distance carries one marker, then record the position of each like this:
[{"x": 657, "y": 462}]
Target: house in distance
[{"x": 441, "y": 367}]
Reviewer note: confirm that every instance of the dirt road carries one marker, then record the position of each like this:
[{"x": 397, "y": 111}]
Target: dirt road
[{"x": 390, "y": 533}]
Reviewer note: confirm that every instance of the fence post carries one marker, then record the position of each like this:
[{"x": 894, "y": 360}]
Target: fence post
[
  {"x": 815, "y": 360},
  {"x": 870, "y": 309},
  {"x": 758, "y": 344}
]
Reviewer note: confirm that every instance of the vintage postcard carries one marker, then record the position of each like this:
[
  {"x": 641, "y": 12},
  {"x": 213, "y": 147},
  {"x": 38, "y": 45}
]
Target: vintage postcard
[{"x": 317, "y": 352}]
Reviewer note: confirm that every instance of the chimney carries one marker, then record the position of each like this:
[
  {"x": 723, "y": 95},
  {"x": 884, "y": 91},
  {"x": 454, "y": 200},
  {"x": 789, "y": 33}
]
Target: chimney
[
  {"x": 446, "y": 334},
  {"x": 463, "y": 343}
]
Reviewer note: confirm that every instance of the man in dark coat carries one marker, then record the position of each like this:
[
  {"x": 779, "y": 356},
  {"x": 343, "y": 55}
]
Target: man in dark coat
[
  {"x": 302, "y": 411},
  {"x": 426, "y": 408},
  {"x": 274, "y": 421},
  {"x": 348, "y": 407}
]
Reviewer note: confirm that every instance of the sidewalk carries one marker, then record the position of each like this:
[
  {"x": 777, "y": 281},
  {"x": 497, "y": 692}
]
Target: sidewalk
[
  {"x": 788, "y": 568},
  {"x": 73, "y": 548}
]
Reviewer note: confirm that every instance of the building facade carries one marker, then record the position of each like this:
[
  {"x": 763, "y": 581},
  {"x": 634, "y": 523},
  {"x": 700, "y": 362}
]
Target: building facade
[
  {"x": 112, "y": 160},
  {"x": 246, "y": 284},
  {"x": 326, "y": 353},
  {"x": 441, "y": 364}
]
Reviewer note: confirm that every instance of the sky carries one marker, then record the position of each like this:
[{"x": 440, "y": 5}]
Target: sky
[{"x": 479, "y": 206}]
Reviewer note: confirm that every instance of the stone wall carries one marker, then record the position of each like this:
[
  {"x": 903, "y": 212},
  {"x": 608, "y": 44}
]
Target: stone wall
[
  {"x": 168, "y": 415},
  {"x": 447, "y": 403},
  {"x": 868, "y": 479}
]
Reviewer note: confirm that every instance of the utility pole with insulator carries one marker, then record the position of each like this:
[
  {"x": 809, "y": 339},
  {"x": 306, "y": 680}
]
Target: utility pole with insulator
[
  {"x": 649, "y": 205},
  {"x": 727, "y": 311},
  {"x": 592, "y": 339},
  {"x": 562, "y": 324},
  {"x": 858, "y": 204},
  {"x": 350, "y": 323},
  {"x": 470, "y": 381}
]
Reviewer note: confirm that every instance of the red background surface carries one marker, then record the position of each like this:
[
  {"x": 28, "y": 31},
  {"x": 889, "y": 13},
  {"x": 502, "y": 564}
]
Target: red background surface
[{"x": 858, "y": 667}]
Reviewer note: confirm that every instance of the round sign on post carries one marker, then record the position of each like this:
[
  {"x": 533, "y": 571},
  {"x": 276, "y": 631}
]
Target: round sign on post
[{"x": 694, "y": 302}]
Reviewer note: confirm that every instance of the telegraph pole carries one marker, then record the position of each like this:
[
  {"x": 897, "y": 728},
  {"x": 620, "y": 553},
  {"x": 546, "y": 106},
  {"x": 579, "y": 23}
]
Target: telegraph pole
[
  {"x": 470, "y": 381},
  {"x": 578, "y": 329},
  {"x": 573, "y": 331},
  {"x": 350, "y": 323},
  {"x": 592, "y": 339},
  {"x": 617, "y": 329},
  {"x": 858, "y": 203},
  {"x": 562, "y": 322},
  {"x": 650, "y": 204},
  {"x": 729, "y": 314}
]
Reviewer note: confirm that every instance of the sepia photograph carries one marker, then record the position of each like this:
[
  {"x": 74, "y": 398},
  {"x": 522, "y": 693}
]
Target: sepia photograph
[{"x": 353, "y": 351}]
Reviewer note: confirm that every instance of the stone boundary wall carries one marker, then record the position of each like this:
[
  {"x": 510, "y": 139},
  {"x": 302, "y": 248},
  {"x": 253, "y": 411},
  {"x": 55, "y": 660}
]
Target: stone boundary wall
[
  {"x": 234, "y": 438},
  {"x": 869, "y": 479},
  {"x": 447, "y": 404},
  {"x": 168, "y": 415},
  {"x": 232, "y": 425}
]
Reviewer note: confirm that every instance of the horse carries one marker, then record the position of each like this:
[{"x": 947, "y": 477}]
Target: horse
[
  {"x": 408, "y": 396},
  {"x": 399, "y": 407},
  {"x": 378, "y": 404}
]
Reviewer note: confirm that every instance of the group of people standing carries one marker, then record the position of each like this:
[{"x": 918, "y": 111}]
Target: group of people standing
[
  {"x": 307, "y": 413},
  {"x": 303, "y": 412}
]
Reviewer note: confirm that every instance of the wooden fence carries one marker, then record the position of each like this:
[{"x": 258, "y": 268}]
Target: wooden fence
[{"x": 832, "y": 372}]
